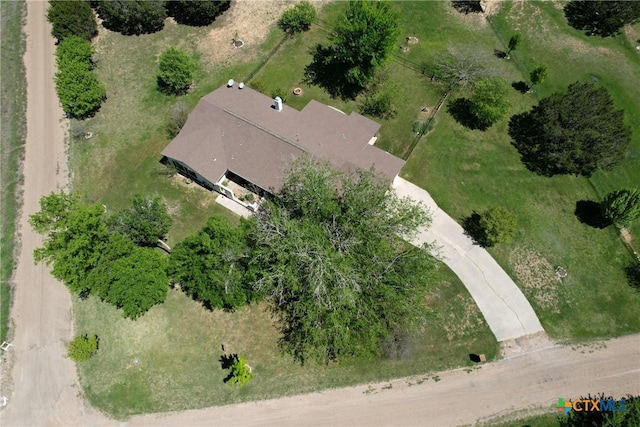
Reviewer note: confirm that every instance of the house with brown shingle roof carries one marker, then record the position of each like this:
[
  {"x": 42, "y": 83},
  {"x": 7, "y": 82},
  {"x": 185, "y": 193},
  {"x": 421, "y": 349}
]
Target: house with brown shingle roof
[{"x": 237, "y": 135}]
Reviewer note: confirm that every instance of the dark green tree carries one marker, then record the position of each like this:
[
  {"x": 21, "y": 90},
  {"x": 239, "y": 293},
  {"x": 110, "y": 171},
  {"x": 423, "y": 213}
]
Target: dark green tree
[
  {"x": 538, "y": 75},
  {"x": 132, "y": 17},
  {"x": 467, "y": 6},
  {"x": 329, "y": 253},
  {"x": 575, "y": 132},
  {"x": 175, "y": 71},
  {"x": 360, "y": 44},
  {"x": 601, "y": 17},
  {"x": 514, "y": 42},
  {"x": 196, "y": 12},
  {"x": 212, "y": 265},
  {"x": 298, "y": 18},
  {"x": 76, "y": 237},
  {"x": 493, "y": 226},
  {"x": 71, "y": 18},
  {"x": 144, "y": 223},
  {"x": 622, "y": 207}
]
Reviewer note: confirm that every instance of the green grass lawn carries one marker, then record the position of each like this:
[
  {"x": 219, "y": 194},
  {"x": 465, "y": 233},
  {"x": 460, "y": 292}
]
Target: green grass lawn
[
  {"x": 179, "y": 344},
  {"x": 471, "y": 170},
  {"x": 12, "y": 128}
]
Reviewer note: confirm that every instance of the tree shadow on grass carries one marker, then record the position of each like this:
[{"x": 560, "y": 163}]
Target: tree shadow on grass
[
  {"x": 329, "y": 74},
  {"x": 500, "y": 54},
  {"x": 467, "y": 6},
  {"x": 461, "y": 110},
  {"x": 473, "y": 228},
  {"x": 633, "y": 275},
  {"x": 520, "y": 86},
  {"x": 226, "y": 361},
  {"x": 589, "y": 212}
]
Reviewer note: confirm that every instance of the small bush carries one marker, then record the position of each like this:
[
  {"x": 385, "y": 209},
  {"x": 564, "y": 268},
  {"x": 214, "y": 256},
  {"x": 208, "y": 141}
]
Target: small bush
[
  {"x": 178, "y": 116},
  {"x": 379, "y": 104},
  {"x": 239, "y": 372},
  {"x": 299, "y": 18},
  {"x": 282, "y": 93},
  {"x": 176, "y": 70},
  {"x": 258, "y": 85},
  {"x": 493, "y": 226},
  {"x": 83, "y": 347}
]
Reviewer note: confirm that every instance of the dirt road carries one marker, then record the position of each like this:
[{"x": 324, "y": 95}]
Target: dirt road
[
  {"x": 44, "y": 381},
  {"x": 532, "y": 380}
]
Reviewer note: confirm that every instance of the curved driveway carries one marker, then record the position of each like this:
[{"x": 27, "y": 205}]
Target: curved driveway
[{"x": 503, "y": 305}]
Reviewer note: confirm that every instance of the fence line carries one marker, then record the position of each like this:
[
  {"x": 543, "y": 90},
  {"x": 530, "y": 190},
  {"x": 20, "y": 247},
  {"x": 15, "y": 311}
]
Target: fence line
[{"x": 266, "y": 59}]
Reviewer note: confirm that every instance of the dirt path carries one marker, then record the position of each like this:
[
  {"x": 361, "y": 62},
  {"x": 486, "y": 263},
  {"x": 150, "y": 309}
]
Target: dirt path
[{"x": 44, "y": 381}]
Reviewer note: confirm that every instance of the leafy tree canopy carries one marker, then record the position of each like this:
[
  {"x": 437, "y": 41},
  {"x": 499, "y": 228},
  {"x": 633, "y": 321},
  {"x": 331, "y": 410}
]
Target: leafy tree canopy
[
  {"x": 601, "y": 17},
  {"x": 538, "y": 75},
  {"x": 71, "y": 18},
  {"x": 299, "y": 18},
  {"x": 74, "y": 49},
  {"x": 175, "y": 72},
  {"x": 571, "y": 133},
  {"x": 360, "y": 44},
  {"x": 212, "y": 265},
  {"x": 622, "y": 207},
  {"x": 489, "y": 101},
  {"x": 198, "y": 12},
  {"x": 83, "y": 347},
  {"x": 327, "y": 249},
  {"x": 144, "y": 223},
  {"x": 132, "y": 17},
  {"x": 76, "y": 236}
]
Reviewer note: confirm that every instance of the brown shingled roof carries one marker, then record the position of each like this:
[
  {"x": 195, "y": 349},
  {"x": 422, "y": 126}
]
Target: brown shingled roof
[{"x": 238, "y": 130}]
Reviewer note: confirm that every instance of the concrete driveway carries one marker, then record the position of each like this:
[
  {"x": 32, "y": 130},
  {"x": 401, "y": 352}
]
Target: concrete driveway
[{"x": 503, "y": 305}]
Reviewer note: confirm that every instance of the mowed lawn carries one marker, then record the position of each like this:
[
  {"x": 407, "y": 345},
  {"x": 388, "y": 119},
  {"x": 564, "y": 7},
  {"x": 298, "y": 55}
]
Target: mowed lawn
[
  {"x": 471, "y": 170},
  {"x": 178, "y": 344}
]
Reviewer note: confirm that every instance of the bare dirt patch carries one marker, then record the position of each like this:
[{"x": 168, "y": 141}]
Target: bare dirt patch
[
  {"x": 626, "y": 236},
  {"x": 248, "y": 20},
  {"x": 538, "y": 277}
]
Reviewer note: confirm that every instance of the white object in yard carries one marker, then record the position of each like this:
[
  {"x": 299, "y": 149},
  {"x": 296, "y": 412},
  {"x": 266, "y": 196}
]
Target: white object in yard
[
  {"x": 3, "y": 401},
  {"x": 240, "y": 85},
  {"x": 230, "y": 83},
  {"x": 5, "y": 346},
  {"x": 278, "y": 104}
]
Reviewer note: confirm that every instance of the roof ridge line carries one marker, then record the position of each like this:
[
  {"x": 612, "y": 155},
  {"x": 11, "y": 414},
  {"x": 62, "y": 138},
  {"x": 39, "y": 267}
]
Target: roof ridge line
[{"x": 262, "y": 128}]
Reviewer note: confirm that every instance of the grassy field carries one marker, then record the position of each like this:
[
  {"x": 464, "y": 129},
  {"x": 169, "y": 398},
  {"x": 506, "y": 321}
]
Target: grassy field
[
  {"x": 471, "y": 170},
  {"x": 545, "y": 420},
  {"x": 178, "y": 345},
  {"x": 12, "y": 128}
]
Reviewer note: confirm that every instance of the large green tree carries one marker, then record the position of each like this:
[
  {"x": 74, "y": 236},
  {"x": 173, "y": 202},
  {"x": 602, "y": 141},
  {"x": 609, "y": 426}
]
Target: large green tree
[
  {"x": 71, "y": 18},
  {"x": 601, "y": 17},
  {"x": 576, "y": 132},
  {"x": 360, "y": 44},
  {"x": 329, "y": 253},
  {"x": 144, "y": 223},
  {"x": 196, "y": 12},
  {"x": 489, "y": 101},
  {"x": 132, "y": 17},
  {"x": 212, "y": 265},
  {"x": 76, "y": 237},
  {"x": 175, "y": 71}
]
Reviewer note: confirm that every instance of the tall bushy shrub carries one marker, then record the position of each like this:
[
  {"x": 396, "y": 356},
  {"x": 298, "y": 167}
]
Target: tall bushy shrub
[
  {"x": 71, "y": 18},
  {"x": 299, "y": 18},
  {"x": 175, "y": 73},
  {"x": 622, "y": 207}
]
